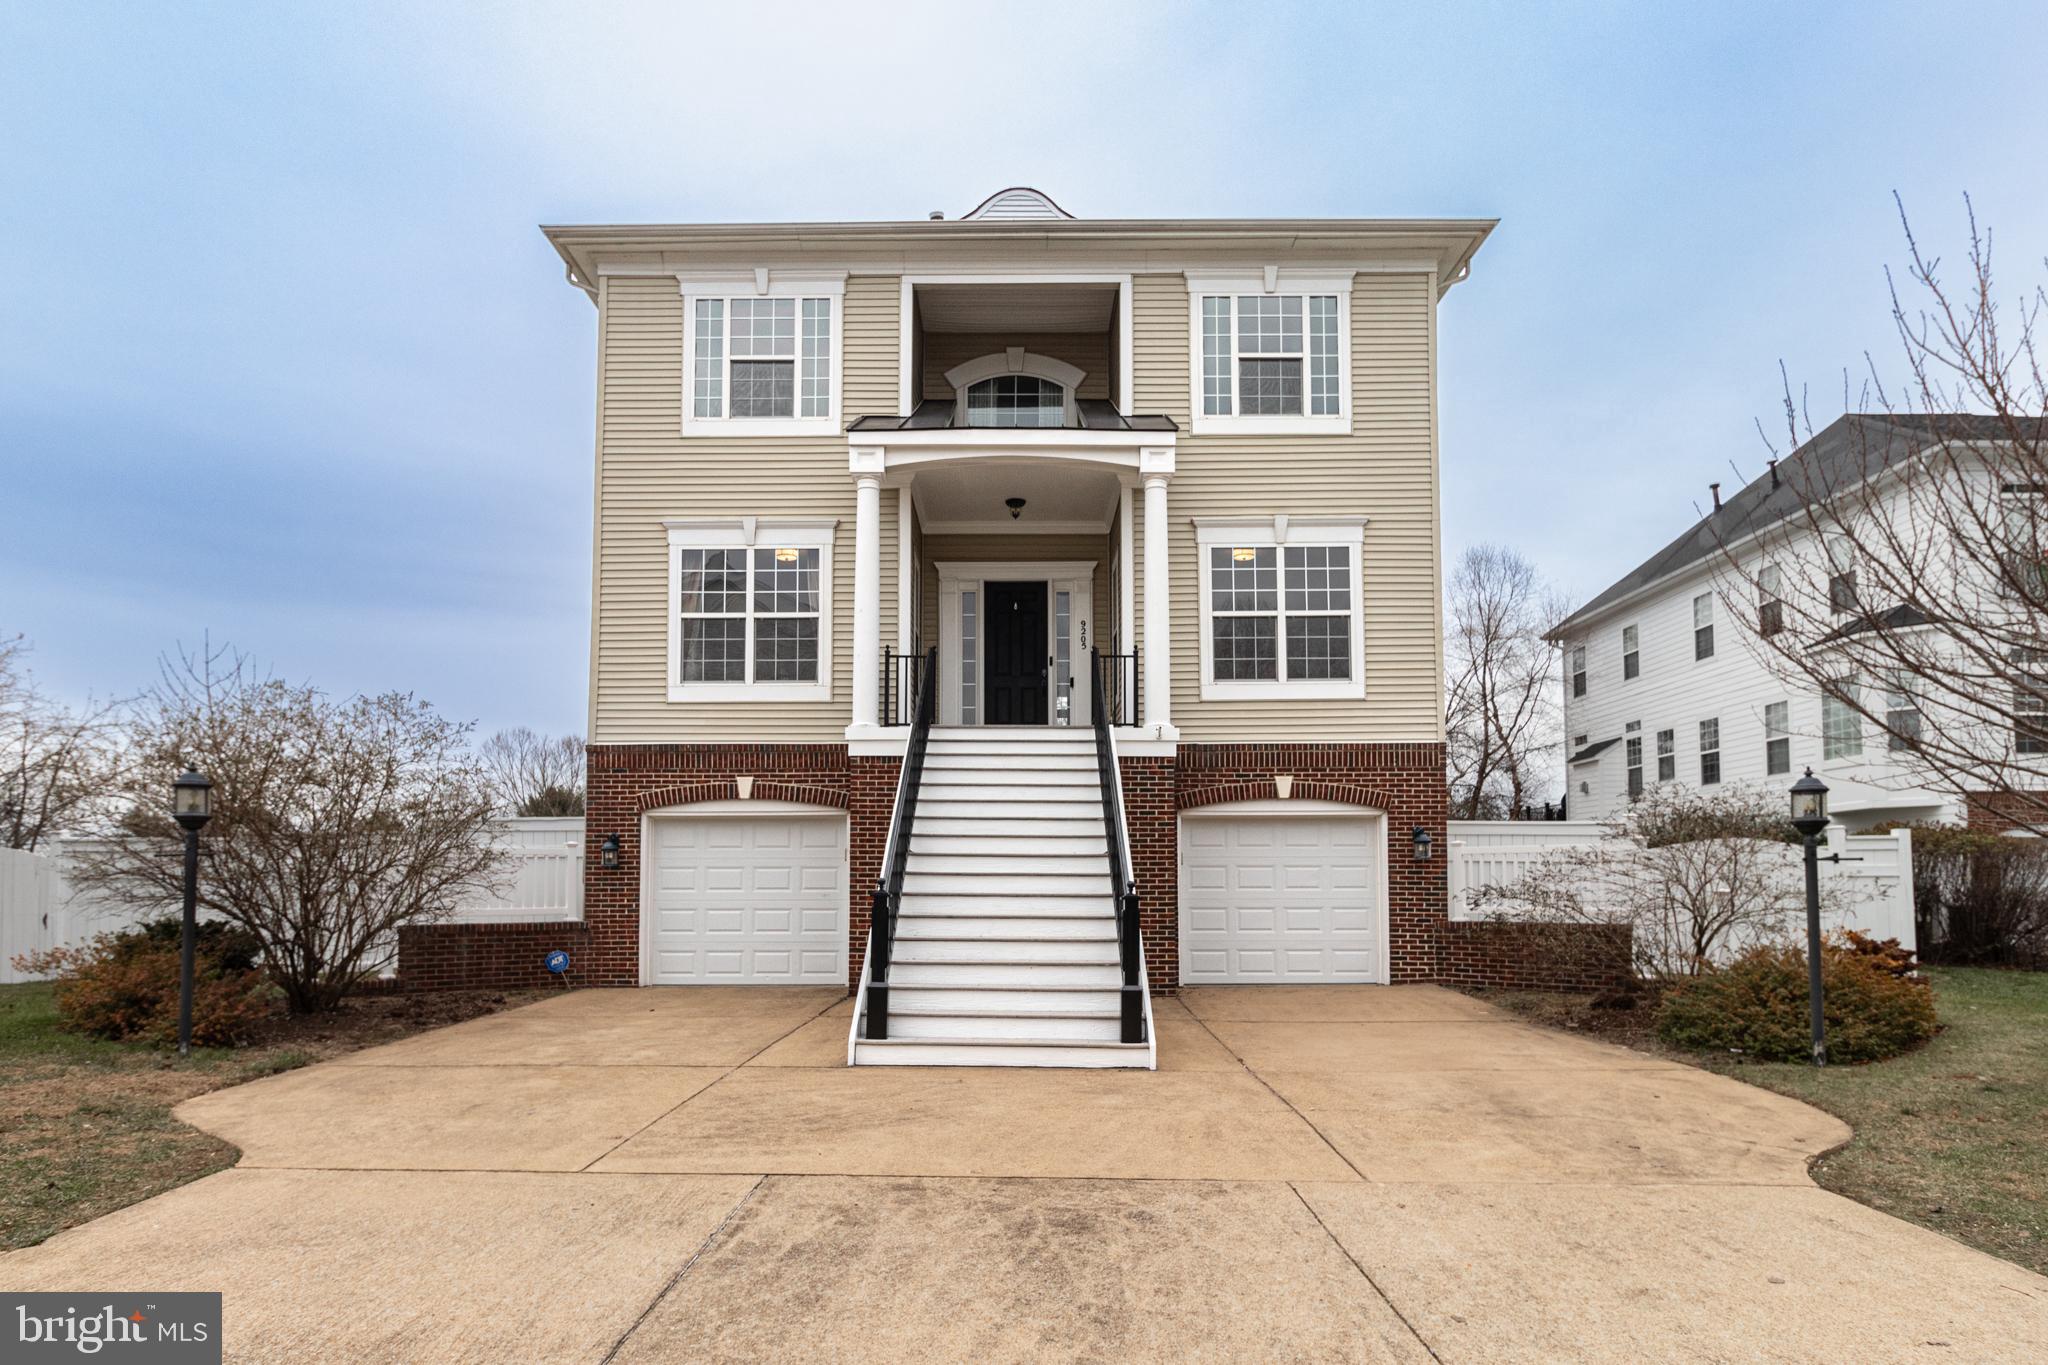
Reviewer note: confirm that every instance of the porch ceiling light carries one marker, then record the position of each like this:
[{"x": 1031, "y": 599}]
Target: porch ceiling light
[
  {"x": 1244, "y": 554},
  {"x": 785, "y": 556},
  {"x": 1016, "y": 506}
]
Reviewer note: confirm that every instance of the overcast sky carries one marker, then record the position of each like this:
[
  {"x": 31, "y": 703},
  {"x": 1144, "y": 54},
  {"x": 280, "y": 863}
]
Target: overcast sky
[{"x": 284, "y": 358}]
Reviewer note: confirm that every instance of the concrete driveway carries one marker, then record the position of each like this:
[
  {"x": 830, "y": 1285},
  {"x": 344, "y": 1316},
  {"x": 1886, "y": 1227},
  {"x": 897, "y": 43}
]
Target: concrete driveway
[{"x": 1333, "y": 1173}]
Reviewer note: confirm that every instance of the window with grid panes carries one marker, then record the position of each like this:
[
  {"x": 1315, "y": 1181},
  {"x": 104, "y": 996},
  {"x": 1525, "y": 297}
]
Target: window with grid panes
[
  {"x": 761, "y": 357},
  {"x": 1280, "y": 612},
  {"x": 1270, "y": 355},
  {"x": 748, "y": 615}
]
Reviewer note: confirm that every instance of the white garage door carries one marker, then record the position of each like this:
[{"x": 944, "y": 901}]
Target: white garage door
[
  {"x": 747, "y": 899},
  {"x": 1280, "y": 898}
]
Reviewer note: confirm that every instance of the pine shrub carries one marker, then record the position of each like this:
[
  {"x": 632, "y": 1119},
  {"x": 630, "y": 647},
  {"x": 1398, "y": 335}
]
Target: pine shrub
[{"x": 1876, "y": 1006}]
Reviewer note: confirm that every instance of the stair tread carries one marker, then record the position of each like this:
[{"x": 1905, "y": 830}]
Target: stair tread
[{"x": 1000, "y": 1042}]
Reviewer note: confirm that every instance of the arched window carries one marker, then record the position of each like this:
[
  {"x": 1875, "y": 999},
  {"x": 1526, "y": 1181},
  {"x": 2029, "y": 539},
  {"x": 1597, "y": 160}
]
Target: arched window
[
  {"x": 1016, "y": 400},
  {"x": 1013, "y": 388}
]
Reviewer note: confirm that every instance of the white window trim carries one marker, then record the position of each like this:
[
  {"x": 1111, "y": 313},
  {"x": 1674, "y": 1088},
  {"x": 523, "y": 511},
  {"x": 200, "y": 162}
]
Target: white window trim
[
  {"x": 725, "y": 533},
  {"x": 1280, "y": 531},
  {"x": 1016, "y": 360},
  {"x": 769, "y": 284},
  {"x": 1272, "y": 280}
]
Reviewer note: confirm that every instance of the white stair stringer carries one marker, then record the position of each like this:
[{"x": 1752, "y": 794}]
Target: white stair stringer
[{"x": 1005, "y": 951}]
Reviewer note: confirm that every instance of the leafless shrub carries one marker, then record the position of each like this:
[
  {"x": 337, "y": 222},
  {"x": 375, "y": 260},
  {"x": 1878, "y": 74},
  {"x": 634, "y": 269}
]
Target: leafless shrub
[
  {"x": 1693, "y": 878},
  {"x": 335, "y": 821}
]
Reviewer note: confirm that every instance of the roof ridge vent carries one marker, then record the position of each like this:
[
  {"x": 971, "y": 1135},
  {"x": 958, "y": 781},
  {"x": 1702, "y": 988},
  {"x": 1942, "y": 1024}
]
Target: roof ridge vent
[{"x": 1018, "y": 202}]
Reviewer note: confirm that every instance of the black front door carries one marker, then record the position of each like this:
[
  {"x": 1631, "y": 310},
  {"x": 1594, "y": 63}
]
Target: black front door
[{"x": 1017, "y": 654}]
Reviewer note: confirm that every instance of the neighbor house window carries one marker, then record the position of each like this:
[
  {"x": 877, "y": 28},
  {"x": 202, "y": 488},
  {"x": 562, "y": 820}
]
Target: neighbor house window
[
  {"x": 1901, "y": 713},
  {"x": 1770, "y": 604},
  {"x": 762, "y": 358},
  {"x": 2030, "y": 702},
  {"x": 1284, "y": 618},
  {"x": 1632, "y": 747},
  {"x": 1841, "y": 574},
  {"x": 750, "y": 620},
  {"x": 1710, "y": 752},
  {"x": 1578, "y": 670},
  {"x": 1271, "y": 348},
  {"x": 1631, "y": 656},
  {"x": 1667, "y": 755},
  {"x": 1703, "y": 626},
  {"x": 1777, "y": 737},
  {"x": 1841, "y": 726},
  {"x": 2026, "y": 540}
]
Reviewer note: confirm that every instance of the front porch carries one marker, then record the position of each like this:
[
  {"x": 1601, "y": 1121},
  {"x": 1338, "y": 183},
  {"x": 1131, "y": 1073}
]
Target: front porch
[{"x": 1026, "y": 506}]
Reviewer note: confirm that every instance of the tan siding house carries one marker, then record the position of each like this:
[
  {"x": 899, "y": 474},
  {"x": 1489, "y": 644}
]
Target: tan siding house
[{"x": 1013, "y": 615}]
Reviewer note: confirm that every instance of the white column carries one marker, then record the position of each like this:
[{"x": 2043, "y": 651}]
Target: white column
[
  {"x": 904, "y": 571},
  {"x": 1158, "y": 629},
  {"x": 867, "y": 592}
]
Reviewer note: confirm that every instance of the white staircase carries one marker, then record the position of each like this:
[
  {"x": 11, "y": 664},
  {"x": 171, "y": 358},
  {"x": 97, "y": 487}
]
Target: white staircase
[{"x": 1005, "y": 950}]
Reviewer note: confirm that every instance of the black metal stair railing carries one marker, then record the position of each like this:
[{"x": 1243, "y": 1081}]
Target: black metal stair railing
[
  {"x": 896, "y": 703},
  {"x": 1122, "y": 883},
  {"x": 1117, "y": 691},
  {"x": 888, "y": 893}
]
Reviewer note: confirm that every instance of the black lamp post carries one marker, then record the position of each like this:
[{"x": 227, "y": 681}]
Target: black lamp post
[
  {"x": 191, "y": 807},
  {"x": 1810, "y": 818}
]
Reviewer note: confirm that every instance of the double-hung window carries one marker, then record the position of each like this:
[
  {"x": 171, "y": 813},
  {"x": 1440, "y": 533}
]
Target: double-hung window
[
  {"x": 2030, "y": 702},
  {"x": 1710, "y": 752},
  {"x": 1703, "y": 626},
  {"x": 1632, "y": 749},
  {"x": 2024, "y": 511},
  {"x": 1577, "y": 669},
  {"x": 750, "y": 610},
  {"x": 1841, "y": 724},
  {"x": 1770, "y": 602},
  {"x": 1667, "y": 755},
  {"x": 1777, "y": 737},
  {"x": 1270, "y": 351},
  {"x": 1282, "y": 612},
  {"x": 762, "y": 354},
  {"x": 1901, "y": 712},
  {"x": 1841, "y": 574},
  {"x": 1631, "y": 654}
]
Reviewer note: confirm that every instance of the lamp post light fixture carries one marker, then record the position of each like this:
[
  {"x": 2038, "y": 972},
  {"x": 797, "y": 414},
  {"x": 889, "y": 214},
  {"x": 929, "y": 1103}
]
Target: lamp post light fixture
[
  {"x": 1810, "y": 818},
  {"x": 1419, "y": 841},
  {"x": 191, "y": 807}
]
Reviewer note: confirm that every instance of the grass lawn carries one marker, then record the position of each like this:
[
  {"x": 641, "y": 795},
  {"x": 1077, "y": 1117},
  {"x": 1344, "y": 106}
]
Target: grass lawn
[
  {"x": 86, "y": 1126},
  {"x": 1953, "y": 1136}
]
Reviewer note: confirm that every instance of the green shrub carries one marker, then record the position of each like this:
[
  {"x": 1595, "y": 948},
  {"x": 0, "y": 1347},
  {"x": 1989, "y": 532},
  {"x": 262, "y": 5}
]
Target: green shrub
[
  {"x": 124, "y": 986},
  {"x": 1757, "y": 1005}
]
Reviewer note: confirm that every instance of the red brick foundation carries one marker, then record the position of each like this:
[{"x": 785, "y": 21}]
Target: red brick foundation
[{"x": 1405, "y": 781}]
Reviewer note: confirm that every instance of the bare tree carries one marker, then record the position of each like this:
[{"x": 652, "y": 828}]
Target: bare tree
[
  {"x": 1897, "y": 562},
  {"x": 1690, "y": 878},
  {"x": 58, "y": 764},
  {"x": 533, "y": 774},
  {"x": 1502, "y": 697},
  {"x": 335, "y": 822}
]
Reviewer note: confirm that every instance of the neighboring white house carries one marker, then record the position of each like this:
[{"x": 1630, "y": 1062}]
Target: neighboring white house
[{"x": 1667, "y": 680}]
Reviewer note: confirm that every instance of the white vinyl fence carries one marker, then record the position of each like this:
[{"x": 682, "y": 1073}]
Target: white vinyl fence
[
  {"x": 1872, "y": 894},
  {"x": 40, "y": 910}
]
